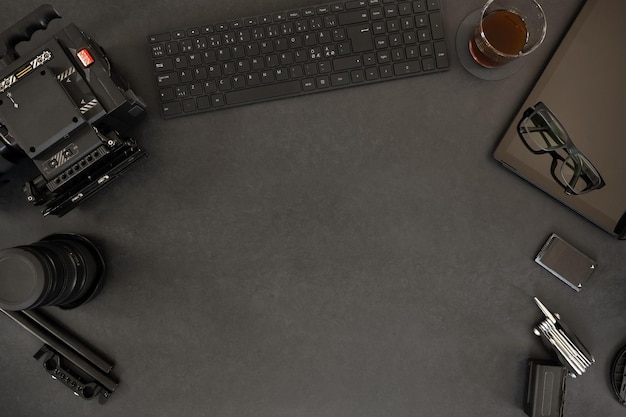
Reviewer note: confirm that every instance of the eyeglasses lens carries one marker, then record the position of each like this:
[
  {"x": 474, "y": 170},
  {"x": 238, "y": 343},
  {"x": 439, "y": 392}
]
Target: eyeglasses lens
[
  {"x": 579, "y": 174},
  {"x": 543, "y": 131}
]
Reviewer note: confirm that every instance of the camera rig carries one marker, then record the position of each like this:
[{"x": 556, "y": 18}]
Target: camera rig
[{"x": 63, "y": 107}]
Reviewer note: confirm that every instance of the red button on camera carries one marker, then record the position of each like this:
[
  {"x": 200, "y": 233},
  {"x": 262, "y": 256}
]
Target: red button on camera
[{"x": 85, "y": 57}]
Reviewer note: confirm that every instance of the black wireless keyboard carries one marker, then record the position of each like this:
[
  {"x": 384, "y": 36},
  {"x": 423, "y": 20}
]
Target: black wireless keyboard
[{"x": 296, "y": 52}]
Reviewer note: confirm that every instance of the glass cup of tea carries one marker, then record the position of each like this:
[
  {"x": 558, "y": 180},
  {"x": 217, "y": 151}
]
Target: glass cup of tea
[{"x": 507, "y": 30}]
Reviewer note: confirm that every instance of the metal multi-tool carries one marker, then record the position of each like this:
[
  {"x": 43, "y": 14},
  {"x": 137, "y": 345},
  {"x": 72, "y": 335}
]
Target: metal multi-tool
[{"x": 556, "y": 335}]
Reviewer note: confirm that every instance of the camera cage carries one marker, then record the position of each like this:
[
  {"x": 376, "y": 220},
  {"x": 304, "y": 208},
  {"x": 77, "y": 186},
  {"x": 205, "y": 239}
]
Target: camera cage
[{"x": 64, "y": 107}]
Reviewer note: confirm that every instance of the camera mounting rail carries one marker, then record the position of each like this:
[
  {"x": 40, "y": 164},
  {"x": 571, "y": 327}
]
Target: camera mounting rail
[
  {"x": 66, "y": 358},
  {"x": 64, "y": 107}
]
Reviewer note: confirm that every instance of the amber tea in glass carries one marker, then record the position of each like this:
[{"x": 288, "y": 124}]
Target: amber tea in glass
[{"x": 508, "y": 29}]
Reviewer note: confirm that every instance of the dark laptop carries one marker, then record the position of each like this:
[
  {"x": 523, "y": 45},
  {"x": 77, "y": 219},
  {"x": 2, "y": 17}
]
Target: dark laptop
[{"x": 569, "y": 137}]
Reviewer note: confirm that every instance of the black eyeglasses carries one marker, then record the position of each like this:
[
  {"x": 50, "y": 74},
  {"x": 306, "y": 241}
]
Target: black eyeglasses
[{"x": 542, "y": 133}]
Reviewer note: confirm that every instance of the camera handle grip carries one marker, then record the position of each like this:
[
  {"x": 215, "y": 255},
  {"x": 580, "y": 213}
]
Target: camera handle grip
[{"x": 21, "y": 31}]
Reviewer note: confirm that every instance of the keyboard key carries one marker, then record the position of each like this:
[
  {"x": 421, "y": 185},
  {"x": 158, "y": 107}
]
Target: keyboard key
[
  {"x": 341, "y": 78},
  {"x": 322, "y": 82},
  {"x": 405, "y": 9},
  {"x": 310, "y": 69},
  {"x": 168, "y": 79},
  {"x": 209, "y": 86},
  {"x": 203, "y": 103},
  {"x": 441, "y": 54},
  {"x": 239, "y": 81},
  {"x": 164, "y": 64},
  {"x": 361, "y": 38},
  {"x": 423, "y": 35},
  {"x": 171, "y": 108},
  {"x": 391, "y": 11},
  {"x": 295, "y": 71},
  {"x": 357, "y": 76},
  {"x": 217, "y": 100},
  {"x": 167, "y": 94},
  {"x": 411, "y": 52},
  {"x": 224, "y": 84},
  {"x": 371, "y": 74},
  {"x": 279, "y": 17},
  {"x": 253, "y": 79},
  {"x": 349, "y": 62},
  {"x": 181, "y": 91},
  {"x": 158, "y": 51},
  {"x": 405, "y": 68},
  {"x": 281, "y": 74},
  {"x": 376, "y": 13},
  {"x": 308, "y": 84},
  {"x": 172, "y": 48},
  {"x": 186, "y": 76},
  {"x": 324, "y": 67},
  {"x": 189, "y": 105},
  {"x": 356, "y": 4},
  {"x": 263, "y": 92},
  {"x": 383, "y": 57},
  {"x": 162, "y": 37},
  {"x": 195, "y": 89},
  {"x": 350, "y": 18},
  {"x": 397, "y": 54},
  {"x": 419, "y": 6},
  {"x": 428, "y": 64},
  {"x": 267, "y": 77},
  {"x": 433, "y": 5},
  {"x": 436, "y": 25}
]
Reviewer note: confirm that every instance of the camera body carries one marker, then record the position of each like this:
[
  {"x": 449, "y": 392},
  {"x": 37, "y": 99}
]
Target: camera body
[{"x": 63, "y": 107}]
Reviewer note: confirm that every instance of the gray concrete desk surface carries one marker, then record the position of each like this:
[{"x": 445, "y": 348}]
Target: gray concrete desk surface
[{"x": 352, "y": 253}]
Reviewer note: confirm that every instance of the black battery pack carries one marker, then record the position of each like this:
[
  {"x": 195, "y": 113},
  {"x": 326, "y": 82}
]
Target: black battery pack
[{"x": 545, "y": 392}]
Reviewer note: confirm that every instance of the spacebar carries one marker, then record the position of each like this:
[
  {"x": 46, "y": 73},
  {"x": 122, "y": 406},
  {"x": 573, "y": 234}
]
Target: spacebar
[{"x": 263, "y": 93}]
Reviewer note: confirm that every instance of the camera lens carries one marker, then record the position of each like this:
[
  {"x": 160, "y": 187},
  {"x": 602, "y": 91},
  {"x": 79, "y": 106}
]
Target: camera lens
[{"x": 61, "y": 270}]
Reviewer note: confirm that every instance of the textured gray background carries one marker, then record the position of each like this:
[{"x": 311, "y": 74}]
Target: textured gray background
[{"x": 352, "y": 253}]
